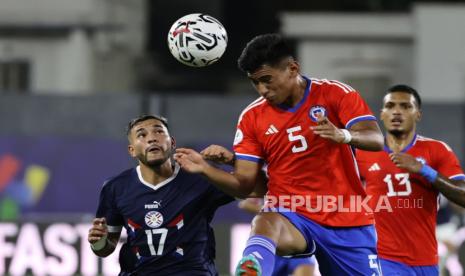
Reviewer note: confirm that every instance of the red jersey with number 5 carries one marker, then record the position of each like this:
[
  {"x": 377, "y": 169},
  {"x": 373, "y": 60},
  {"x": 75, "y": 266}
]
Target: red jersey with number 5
[
  {"x": 304, "y": 165},
  {"x": 408, "y": 233}
]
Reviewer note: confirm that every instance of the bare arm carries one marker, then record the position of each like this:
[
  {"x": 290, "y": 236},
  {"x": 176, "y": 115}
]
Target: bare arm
[
  {"x": 261, "y": 185},
  {"x": 365, "y": 135},
  {"x": 102, "y": 242},
  {"x": 453, "y": 190},
  {"x": 238, "y": 184},
  {"x": 222, "y": 155},
  {"x": 218, "y": 154}
]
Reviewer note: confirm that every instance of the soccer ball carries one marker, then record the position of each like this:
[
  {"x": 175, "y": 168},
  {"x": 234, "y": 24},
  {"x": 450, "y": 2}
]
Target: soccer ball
[{"x": 197, "y": 40}]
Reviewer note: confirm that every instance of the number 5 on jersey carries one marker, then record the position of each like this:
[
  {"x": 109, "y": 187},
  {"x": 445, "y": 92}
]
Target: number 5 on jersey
[{"x": 303, "y": 143}]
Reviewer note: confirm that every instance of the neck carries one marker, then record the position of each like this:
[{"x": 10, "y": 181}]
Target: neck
[
  {"x": 155, "y": 175},
  {"x": 399, "y": 142},
  {"x": 297, "y": 92}
]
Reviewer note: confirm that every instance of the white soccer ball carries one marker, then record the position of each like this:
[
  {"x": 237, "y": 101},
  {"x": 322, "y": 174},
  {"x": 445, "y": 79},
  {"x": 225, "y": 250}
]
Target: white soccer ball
[{"x": 197, "y": 40}]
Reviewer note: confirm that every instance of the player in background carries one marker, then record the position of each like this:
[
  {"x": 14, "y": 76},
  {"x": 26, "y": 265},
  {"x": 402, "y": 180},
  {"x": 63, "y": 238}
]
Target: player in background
[
  {"x": 283, "y": 266},
  {"x": 305, "y": 131},
  {"x": 411, "y": 172},
  {"x": 165, "y": 211}
]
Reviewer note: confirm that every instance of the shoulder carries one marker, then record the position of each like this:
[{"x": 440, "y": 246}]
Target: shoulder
[
  {"x": 333, "y": 86},
  {"x": 120, "y": 179},
  {"x": 252, "y": 108},
  {"x": 434, "y": 144},
  {"x": 187, "y": 180}
]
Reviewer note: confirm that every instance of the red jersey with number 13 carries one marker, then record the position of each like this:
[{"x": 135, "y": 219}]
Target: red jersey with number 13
[{"x": 408, "y": 233}]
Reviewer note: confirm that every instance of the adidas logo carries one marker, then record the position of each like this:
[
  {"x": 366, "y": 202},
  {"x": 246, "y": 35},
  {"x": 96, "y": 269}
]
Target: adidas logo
[
  {"x": 374, "y": 167},
  {"x": 271, "y": 130}
]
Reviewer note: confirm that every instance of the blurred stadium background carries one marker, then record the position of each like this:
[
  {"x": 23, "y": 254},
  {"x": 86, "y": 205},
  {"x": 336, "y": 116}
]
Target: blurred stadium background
[{"x": 72, "y": 73}]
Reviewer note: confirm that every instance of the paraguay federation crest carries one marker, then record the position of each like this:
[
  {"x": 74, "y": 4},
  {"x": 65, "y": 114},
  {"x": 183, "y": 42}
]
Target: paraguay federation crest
[
  {"x": 154, "y": 219},
  {"x": 315, "y": 111}
]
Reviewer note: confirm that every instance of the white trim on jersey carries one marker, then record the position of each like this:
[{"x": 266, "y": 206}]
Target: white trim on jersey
[
  {"x": 180, "y": 251},
  {"x": 161, "y": 184},
  {"x": 368, "y": 116},
  {"x": 456, "y": 175},
  {"x": 350, "y": 88},
  {"x": 423, "y": 138},
  {"x": 180, "y": 224},
  {"x": 114, "y": 229},
  {"x": 255, "y": 103},
  {"x": 346, "y": 88},
  {"x": 249, "y": 155}
]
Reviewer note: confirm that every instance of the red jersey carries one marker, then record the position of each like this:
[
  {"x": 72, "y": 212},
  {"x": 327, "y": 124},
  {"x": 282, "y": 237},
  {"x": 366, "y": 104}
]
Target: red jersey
[
  {"x": 300, "y": 162},
  {"x": 408, "y": 233}
]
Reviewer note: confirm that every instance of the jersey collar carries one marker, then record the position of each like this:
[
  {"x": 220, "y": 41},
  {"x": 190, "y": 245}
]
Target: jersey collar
[
  {"x": 304, "y": 98},
  {"x": 161, "y": 184},
  {"x": 409, "y": 146}
]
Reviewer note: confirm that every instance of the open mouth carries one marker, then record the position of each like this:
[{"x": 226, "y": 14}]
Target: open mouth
[
  {"x": 397, "y": 121},
  {"x": 153, "y": 149}
]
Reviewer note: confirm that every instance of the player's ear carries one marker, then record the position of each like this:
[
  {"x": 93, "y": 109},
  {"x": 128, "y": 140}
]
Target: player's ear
[
  {"x": 418, "y": 116},
  {"x": 294, "y": 68},
  {"x": 131, "y": 150}
]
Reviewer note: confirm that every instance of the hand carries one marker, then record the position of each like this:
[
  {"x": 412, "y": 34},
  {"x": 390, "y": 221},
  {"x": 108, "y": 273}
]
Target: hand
[
  {"x": 218, "y": 154},
  {"x": 98, "y": 231},
  {"x": 190, "y": 160},
  {"x": 327, "y": 130},
  {"x": 406, "y": 161}
]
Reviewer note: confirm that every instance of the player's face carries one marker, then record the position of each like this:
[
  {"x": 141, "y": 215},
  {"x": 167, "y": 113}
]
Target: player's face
[
  {"x": 151, "y": 143},
  {"x": 275, "y": 84},
  {"x": 400, "y": 113}
]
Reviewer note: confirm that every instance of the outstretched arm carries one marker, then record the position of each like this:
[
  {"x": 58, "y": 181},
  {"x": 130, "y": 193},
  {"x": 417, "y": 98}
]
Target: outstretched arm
[
  {"x": 240, "y": 183},
  {"x": 453, "y": 190},
  {"x": 222, "y": 155},
  {"x": 218, "y": 154},
  {"x": 364, "y": 135}
]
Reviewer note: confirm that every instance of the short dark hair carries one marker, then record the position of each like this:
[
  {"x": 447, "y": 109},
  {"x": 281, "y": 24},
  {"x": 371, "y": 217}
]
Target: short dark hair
[
  {"x": 267, "y": 49},
  {"x": 406, "y": 89},
  {"x": 142, "y": 118}
]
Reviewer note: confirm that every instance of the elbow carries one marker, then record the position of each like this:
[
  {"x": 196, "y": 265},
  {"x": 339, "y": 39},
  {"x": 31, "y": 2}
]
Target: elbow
[
  {"x": 379, "y": 142},
  {"x": 375, "y": 143},
  {"x": 244, "y": 193},
  {"x": 246, "y": 189}
]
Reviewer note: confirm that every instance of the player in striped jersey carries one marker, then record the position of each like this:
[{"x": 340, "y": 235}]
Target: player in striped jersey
[
  {"x": 305, "y": 131},
  {"x": 410, "y": 172}
]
